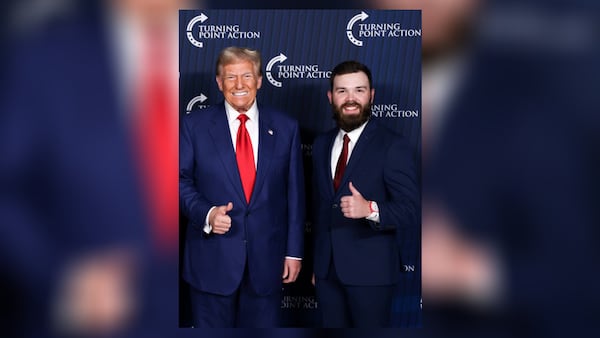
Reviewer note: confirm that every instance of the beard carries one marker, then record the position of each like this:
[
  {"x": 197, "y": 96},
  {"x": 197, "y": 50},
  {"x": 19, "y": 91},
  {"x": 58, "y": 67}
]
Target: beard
[{"x": 350, "y": 122}]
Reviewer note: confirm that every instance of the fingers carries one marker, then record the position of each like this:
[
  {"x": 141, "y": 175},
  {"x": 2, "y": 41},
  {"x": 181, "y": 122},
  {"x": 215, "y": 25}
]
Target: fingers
[
  {"x": 291, "y": 270},
  {"x": 286, "y": 271},
  {"x": 355, "y": 205},
  {"x": 347, "y": 205},
  {"x": 95, "y": 295},
  {"x": 222, "y": 222}
]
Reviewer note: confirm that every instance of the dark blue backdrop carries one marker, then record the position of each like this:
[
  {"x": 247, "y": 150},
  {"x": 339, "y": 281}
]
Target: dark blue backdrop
[{"x": 299, "y": 48}]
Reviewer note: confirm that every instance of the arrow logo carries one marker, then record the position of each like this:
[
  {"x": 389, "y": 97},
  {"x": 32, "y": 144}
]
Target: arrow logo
[
  {"x": 279, "y": 58},
  {"x": 200, "y": 98},
  {"x": 200, "y": 18},
  {"x": 362, "y": 16}
]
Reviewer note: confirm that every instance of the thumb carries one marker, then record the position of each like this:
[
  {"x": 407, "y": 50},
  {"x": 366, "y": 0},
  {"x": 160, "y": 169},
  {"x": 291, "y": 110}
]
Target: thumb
[
  {"x": 353, "y": 189},
  {"x": 285, "y": 271},
  {"x": 229, "y": 207}
]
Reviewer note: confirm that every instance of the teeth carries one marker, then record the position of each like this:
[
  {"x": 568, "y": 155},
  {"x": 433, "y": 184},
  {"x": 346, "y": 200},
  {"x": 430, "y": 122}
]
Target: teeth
[{"x": 240, "y": 94}]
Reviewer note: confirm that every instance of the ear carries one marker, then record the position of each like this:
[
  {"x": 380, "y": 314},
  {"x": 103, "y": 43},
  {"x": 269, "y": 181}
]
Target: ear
[
  {"x": 329, "y": 96},
  {"x": 372, "y": 95},
  {"x": 219, "y": 82},
  {"x": 258, "y": 82}
]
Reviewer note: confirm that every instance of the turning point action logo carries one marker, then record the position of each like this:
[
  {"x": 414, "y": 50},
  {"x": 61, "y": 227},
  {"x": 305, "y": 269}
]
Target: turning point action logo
[
  {"x": 196, "y": 32},
  {"x": 376, "y": 30},
  {"x": 292, "y": 71},
  {"x": 392, "y": 111}
]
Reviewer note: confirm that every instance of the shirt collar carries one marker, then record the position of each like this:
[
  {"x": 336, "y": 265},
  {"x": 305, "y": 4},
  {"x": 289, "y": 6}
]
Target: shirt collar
[
  {"x": 232, "y": 114},
  {"x": 354, "y": 134}
]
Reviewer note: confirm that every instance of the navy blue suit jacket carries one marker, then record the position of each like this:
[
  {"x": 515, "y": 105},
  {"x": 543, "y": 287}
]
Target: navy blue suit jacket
[
  {"x": 382, "y": 168},
  {"x": 264, "y": 231}
]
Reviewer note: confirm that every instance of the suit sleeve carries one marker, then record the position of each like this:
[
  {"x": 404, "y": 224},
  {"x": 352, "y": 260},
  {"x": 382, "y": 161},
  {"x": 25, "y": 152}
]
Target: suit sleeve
[
  {"x": 400, "y": 178},
  {"x": 296, "y": 201},
  {"x": 191, "y": 202}
]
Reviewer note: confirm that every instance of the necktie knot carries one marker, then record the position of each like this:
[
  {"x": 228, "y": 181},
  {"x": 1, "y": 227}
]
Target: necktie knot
[
  {"x": 243, "y": 118},
  {"x": 346, "y": 140}
]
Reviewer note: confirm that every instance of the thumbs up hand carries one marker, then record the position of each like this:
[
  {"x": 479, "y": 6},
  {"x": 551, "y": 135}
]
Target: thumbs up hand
[
  {"x": 219, "y": 220},
  {"x": 355, "y": 205}
]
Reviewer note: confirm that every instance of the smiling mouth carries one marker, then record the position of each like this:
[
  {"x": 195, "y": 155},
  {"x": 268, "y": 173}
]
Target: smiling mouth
[
  {"x": 240, "y": 93},
  {"x": 351, "y": 107}
]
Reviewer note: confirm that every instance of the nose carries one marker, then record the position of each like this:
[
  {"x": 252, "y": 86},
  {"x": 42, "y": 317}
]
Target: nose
[
  {"x": 350, "y": 96},
  {"x": 238, "y": 82}
]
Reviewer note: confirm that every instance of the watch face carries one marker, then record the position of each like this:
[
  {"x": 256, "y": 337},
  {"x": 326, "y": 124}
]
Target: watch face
[{"x": 373, "y": 206}]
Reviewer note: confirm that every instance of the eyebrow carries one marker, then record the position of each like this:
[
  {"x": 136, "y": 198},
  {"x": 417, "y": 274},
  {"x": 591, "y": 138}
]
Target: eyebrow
[
  {"x": 357, "y": 87},
  {"x": 244, "y": 73}
]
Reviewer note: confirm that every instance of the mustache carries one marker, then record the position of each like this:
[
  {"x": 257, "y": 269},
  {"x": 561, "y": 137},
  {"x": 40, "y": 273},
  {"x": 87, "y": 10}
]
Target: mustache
[{"x": 350, "y": 103}]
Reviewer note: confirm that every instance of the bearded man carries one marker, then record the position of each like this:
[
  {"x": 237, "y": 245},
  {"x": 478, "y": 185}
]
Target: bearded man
[{"x": 365, "y": 190}]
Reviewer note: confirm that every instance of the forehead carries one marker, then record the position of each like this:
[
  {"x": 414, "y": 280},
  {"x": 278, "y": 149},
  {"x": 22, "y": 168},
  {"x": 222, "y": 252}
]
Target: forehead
[
  {"x": 351, "y": 80},
  {"x": 238, "y": 67}
]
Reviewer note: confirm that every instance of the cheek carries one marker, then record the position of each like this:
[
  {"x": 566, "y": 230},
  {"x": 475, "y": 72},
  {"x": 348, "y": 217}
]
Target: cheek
[
  {"x": 337, "y": 102},
  {"x": 339, "y": 99},
  {"x": 365, "y": 100}
]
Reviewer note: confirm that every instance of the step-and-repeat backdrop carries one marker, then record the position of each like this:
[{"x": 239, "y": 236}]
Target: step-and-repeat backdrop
[{"x": 299, "y": 49}]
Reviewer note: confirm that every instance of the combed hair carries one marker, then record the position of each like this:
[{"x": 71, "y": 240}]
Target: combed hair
[
  {"x": 234, "y": 54},
  {"x": 349, "y": 67}
]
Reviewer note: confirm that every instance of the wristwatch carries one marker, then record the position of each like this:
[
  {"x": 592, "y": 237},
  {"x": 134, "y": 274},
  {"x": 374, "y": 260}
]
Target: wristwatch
[{"x": 374, "y": 209}]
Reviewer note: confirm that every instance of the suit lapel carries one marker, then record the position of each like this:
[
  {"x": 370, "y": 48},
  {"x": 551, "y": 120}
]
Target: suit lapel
[
  {"x": 267, "y": 135},
  {"x": 221, "y": 137}
]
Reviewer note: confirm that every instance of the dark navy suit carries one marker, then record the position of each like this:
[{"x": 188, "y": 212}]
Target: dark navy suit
[
  {"x": 363, "y": 253},
  {"x": 263, "y": 231}
]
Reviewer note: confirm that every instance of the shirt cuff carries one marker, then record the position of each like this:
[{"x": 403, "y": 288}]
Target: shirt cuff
[
  {"x": 207, "y": 227},
  {"x": 294, "y": 258}
]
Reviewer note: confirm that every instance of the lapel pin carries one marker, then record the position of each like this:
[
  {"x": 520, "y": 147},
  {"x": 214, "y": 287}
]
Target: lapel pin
[{"x": 270, "y": 131}]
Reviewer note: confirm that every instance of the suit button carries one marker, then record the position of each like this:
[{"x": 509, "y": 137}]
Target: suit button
[{"x": 335, "y": 206}]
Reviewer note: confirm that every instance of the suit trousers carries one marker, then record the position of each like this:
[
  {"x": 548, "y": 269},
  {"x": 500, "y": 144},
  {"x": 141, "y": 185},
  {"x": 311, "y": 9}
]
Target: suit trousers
[
  {"x": 244, "y": 308},
  {"x": 344, "y": 306}
]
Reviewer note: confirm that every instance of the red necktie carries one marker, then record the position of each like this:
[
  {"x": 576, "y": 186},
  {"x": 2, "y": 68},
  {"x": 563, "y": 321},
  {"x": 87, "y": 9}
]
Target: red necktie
[
  {"x": 341, "y": 164},
  {"x": 245, "y": 157},
  {"x": 156, "y": 137}
]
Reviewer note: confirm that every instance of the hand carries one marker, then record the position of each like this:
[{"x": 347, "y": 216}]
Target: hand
[
  {"x": 219, "y": 220},
  {"x": 455, "y": 266},
  {"x": 291, "y": 269},
  {"x": 96, "y": 294},
  {"x": 355, "y": 205}
]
